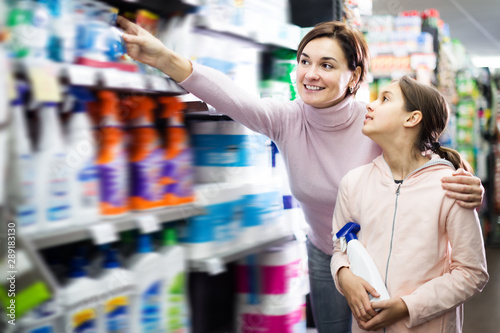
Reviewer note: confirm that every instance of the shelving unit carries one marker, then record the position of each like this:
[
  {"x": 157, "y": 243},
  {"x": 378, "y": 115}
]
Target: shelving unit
[{"x": 107, "y": 230}]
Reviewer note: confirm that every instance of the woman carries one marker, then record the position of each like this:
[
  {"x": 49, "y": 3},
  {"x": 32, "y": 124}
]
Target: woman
[
  {"x": 318, "y": 135},
  {"x": 429, "y": 250}
]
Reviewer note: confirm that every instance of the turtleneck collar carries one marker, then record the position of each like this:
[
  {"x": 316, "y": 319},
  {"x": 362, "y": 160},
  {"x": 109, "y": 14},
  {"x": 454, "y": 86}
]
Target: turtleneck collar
[{"x": 333, "y": 118}]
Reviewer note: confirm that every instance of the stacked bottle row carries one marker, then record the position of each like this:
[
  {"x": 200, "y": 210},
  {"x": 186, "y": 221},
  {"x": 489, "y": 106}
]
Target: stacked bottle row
[
  {"x": 118, "y": 291},
  {"x": 400, "y": 35},
  {"x": 245, "y": 195},
  {"x": 71, "y": 31},
  {"x": 104, "y": 158}
]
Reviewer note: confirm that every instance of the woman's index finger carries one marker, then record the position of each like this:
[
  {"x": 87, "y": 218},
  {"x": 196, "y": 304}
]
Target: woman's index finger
[{"x": 126, "y": 25}]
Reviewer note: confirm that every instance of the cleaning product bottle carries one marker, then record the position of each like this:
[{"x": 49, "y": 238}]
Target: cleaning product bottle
[
  {"x": 145, "y": 153},
  {"x": 47, "y": 317},
  {"x": 112, "y": 158},
  {"x": 118, "y": 285},
  {"x": 81, "y": 300},
  {"x": 173, "y": 257},
  {"x": 52, "y": 181},
  {"x": 178, "y": 171},
  {"x": 361, "y": 263},
  {"x": 146, "y": 308},
  {"x": 82, "y": 154},
  {"x": 22, "y": 180}
]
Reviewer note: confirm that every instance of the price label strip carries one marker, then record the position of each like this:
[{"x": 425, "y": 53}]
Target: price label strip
[
  {"x": 214, "y": 266},
  {"x": 81, "y": 75},
  {"x": 103, "y": 233},
  {"x": 148, "y": 223},
  {"x": 113, "y": 78},
  {"x": 158, "y": 83}
]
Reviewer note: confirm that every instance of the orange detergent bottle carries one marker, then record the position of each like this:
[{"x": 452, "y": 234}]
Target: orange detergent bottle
[
  {"x": 178, "y": 171},
  {"x": 111, "y": 157},
  {"x": 146, "y": 156}
]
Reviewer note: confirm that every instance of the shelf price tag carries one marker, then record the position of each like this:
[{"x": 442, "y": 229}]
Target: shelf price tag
[
  {"x": 103, "y": 233},
  {"x": 81, "y": 75},
  {"x": 148, "y": 223},
  {"x": 44, "y": 82},
  {"x": 214, "y": 266},
  {"x": 158, "y": 83},
  {"x": 113, "y": 78}
]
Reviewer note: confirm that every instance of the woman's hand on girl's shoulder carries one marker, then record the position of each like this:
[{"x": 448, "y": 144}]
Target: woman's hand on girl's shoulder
[{"x": 465, "y": 188}]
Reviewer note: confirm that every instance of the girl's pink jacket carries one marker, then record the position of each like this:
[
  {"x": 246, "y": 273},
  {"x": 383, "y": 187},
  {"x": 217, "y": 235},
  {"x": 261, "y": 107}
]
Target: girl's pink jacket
[{"x": 428, "y": 249}]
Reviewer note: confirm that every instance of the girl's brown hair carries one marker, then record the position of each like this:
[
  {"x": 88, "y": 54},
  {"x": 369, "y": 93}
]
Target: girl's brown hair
[
  {"x": 351, "y": 41},
  {"x": 435, "y": 113}
]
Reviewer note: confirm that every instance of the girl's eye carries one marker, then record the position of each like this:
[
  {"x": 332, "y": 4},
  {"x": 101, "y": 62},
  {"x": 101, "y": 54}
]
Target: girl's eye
[
  {"x": 384, "y": 99},
  {"x": 304, "y": 62},
  {"x": 327, "y": 66}
]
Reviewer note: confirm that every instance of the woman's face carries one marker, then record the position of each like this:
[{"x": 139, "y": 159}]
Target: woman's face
[{"x": 322, "y": 73}]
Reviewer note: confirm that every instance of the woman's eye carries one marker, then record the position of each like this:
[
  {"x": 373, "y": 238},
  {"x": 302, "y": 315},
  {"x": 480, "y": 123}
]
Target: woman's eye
[
  {"x": 304, "y": 62},
  {"x": 384, "y": 99},
  {"x": 327, "y": 66}
]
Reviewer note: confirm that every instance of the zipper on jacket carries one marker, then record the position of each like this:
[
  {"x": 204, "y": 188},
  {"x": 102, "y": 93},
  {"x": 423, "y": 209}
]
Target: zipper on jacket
[
  {"x": 392, "y": 236},
  {"x": 392, "y": 233}
]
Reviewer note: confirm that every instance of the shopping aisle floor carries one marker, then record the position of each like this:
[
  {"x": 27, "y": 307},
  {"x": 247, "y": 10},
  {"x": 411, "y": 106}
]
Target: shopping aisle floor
[{"x": 482, "y": 312}]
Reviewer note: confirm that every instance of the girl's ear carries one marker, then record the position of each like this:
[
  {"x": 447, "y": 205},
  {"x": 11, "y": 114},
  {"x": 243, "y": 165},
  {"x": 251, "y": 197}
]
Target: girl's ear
[{"x": 413, "y": 119}]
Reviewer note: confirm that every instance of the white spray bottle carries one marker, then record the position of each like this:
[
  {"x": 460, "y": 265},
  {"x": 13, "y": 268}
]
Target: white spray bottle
[
  {"x": 23, "y": 169},
  {"x": 81, "y": 159},
  {"x": 52, "y": 181},
  {"x": 362, "y": 264}
]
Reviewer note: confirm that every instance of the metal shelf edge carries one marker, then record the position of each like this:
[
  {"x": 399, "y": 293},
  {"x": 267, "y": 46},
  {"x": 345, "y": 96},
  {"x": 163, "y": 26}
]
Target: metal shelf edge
[
  {"x": 203, "y": 265},
  {"x": 128, "y": 222}
]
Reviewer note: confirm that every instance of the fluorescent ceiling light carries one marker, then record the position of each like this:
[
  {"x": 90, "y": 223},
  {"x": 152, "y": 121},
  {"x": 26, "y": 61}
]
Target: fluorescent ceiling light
[{"x": 486, "y": 61}]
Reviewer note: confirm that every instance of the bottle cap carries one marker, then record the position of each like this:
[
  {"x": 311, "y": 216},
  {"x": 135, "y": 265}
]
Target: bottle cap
[
  {"x": 111, "y": 260},
  {"x": 145, "y": 245},
  {"x": 170, "y": 237},
  {"x": 77, "y": 267}
]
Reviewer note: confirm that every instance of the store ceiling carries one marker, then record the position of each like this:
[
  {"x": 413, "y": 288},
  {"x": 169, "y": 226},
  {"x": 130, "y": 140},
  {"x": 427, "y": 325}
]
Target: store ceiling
[{"x": 475, "y": 23}]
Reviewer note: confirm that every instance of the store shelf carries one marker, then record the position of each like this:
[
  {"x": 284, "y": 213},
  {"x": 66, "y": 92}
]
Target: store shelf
[
  {"x": 210, "y": 26},
  {"x": 128, "y": 222},
  {"x": 160, "y": 7},
  {"x": 105, "y": 78},
  {"x": 216, "y": 264}
]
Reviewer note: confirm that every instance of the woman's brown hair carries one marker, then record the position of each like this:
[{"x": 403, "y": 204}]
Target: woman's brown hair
[
  {"x": 435, "y": 113},
  {"x": 351, "y": 41}
]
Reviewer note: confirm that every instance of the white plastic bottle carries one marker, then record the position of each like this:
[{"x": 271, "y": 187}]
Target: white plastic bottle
[
  {"x": 81, "y": 160},
  {"x": 52, "y": 181},
  {"x": 118, "y": 285},
  {"x": 361, "y": 263},
  {"x": 44, "y": 318},
  {"x": 147, "y": 268},
  {"x": 22, "y": 181},
  {"x": 175, "y": 308},
  {"x": 81, "y": 298}
]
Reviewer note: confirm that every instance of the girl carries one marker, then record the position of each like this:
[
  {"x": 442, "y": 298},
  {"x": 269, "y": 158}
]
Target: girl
[{"x": 428, "y": 249}]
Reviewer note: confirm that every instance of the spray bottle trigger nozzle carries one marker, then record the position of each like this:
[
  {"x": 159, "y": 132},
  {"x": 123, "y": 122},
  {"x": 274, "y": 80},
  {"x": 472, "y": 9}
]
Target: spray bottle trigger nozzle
[{"x": 343, "y": 244}]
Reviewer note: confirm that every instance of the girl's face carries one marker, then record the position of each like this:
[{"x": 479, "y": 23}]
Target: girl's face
[
  {"x": 386, "y": 115},
  {"x": 322, "y": 73}
]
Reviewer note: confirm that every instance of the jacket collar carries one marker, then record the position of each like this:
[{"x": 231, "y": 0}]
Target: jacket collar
[{"x": 434, "y": 162}]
